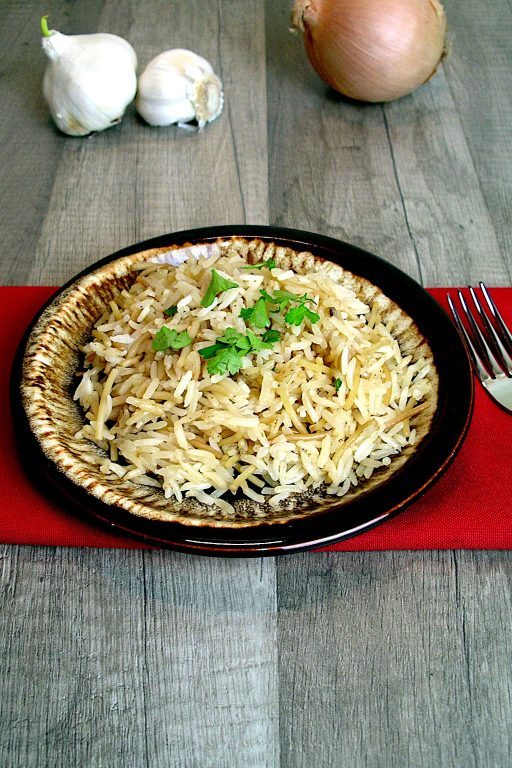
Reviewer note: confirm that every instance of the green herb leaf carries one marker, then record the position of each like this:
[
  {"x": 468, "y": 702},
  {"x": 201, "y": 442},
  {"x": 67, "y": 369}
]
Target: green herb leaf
[
  {"x": 277, "y": 299},
  {"x": 297, "y": 315},
  {"x": 169, "y": 338},
  {"x": 280, "y": 296},
  {"x": 233, "y": 338},
  {"x": 270, "y": 337},
  {"x": 269, "y": 263},
  {"x": 218, "y": 284},
  {"x": 337, "y": 384},
  {"x": 258, "y": 314},
  {"x": 284, "y": 298},
  {"x": 226, "y": 355},
  {"x": 244, "y": 345},
  {"x": 171, "y": 311},
  {"x": 313, "y": 317},
  {"x": 267, "y": 296},
  {"x": 209, "y": 352},
  {"x": 226, "y": 360},
  {"x": 230, "y": 336},
  {"x": 255, "y": 343}
]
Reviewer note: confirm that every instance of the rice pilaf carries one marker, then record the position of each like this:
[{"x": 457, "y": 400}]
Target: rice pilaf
[{"x": 328, "y": 405}]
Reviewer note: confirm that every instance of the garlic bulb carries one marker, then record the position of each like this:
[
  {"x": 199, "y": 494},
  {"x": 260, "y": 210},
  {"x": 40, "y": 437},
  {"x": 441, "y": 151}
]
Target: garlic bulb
[
  {"x": 179, "y": 86},
  {"x": 89, "y": 80}
]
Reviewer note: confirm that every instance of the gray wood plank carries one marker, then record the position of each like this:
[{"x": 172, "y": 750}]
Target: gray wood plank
[
  {"x": 212, "y": 652},
  {"x": 445, "y": 208},
  {"x": 480, "y": 80},
  {"x": 136, "y": 658},
  {"x": 395, "y": 659},
  {"x": 73, "y": 643}
]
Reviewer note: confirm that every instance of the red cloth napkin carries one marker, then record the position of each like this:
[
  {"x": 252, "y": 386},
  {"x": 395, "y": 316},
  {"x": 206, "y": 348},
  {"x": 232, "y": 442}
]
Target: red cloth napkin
[{"x": 469, "y": 507}]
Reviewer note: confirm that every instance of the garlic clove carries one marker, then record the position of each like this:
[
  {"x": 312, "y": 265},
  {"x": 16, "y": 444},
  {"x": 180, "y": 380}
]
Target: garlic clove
[
  {"x": 179, "y": 86},
  {"x": 89, "y": 80}
]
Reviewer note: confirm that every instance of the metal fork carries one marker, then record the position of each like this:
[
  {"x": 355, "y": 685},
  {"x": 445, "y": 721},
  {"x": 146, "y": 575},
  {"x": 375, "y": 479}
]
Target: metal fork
[{"x": 491, "y": 350}]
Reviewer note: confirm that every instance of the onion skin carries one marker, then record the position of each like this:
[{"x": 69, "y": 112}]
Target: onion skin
[{"x": 373, "y": 50}]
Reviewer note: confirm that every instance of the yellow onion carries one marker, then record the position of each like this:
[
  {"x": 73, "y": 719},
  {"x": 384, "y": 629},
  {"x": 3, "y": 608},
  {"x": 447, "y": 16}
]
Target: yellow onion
[{"x": 373, "y": 50}]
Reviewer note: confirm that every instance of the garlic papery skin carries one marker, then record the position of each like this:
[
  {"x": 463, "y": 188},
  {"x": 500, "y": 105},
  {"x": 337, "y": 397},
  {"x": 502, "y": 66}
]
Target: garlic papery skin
[
  {"x": 179, "y": 86},
  {"x": 89, "y": 80}
]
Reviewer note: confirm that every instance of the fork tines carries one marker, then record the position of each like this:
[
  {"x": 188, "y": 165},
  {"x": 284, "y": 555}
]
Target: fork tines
[
  {"x": 507, "y": 336},
  {"x": 491, "y": 348},
  {"x": 489, "y": 343}
]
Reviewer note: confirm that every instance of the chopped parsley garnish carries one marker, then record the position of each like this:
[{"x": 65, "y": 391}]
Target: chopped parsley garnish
[
  {"x": 269, "y": 263},
  {"x": 226, "y": 355},
  {"x": 218, "y": 284},
  {"x": 258, "y": 314},
  {"x": 297, "y": 315},
  {"x": 169, "y": 338},
  {"x": 233, "y": 338},
  {"x": 171, "y": 311},
  {"x": 224, "y": 359},
  {"x": 284, "y": 298},
  {"x": 337, "y": 384},
  {"x": 271, "y": 336}
]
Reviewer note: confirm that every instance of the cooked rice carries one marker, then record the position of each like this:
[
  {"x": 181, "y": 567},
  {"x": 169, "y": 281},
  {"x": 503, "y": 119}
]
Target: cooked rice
[{"x": 276, "y": 428}]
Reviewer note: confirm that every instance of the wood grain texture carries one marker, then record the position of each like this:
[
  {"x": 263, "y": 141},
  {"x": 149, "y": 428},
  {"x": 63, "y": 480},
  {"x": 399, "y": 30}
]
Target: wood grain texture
[
  {"x": 211, "y": 638},
  {"x": 74, "y": 682},
  {"x": 395, "y": 660},
  {"x": 444, "y": 207},
  {"x": 136, "y": 658},
  {"x": 480, "y": 81},
  {"x": 126, "y": 658}
]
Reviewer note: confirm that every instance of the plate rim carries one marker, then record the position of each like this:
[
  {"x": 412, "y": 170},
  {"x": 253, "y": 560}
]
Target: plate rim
[{"x": 232, "y": 542}]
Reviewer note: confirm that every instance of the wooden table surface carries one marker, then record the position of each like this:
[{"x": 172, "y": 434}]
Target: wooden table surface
[{"x": 153, "y": 658}]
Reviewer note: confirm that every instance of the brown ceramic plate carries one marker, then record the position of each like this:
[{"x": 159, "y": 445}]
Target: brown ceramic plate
[{"x": 48, "y": 419}]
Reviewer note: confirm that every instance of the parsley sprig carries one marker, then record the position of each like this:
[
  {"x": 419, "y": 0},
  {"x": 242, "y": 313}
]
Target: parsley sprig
[
  {"x": 295, "y": 315},
  {"x": 218, "y": 284},
  {"x": 258, "y": 314},
  {"x": 169, "y": 338},
  {"x": 269, "y": 263},
  {"x": 226, "y": 355}
]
